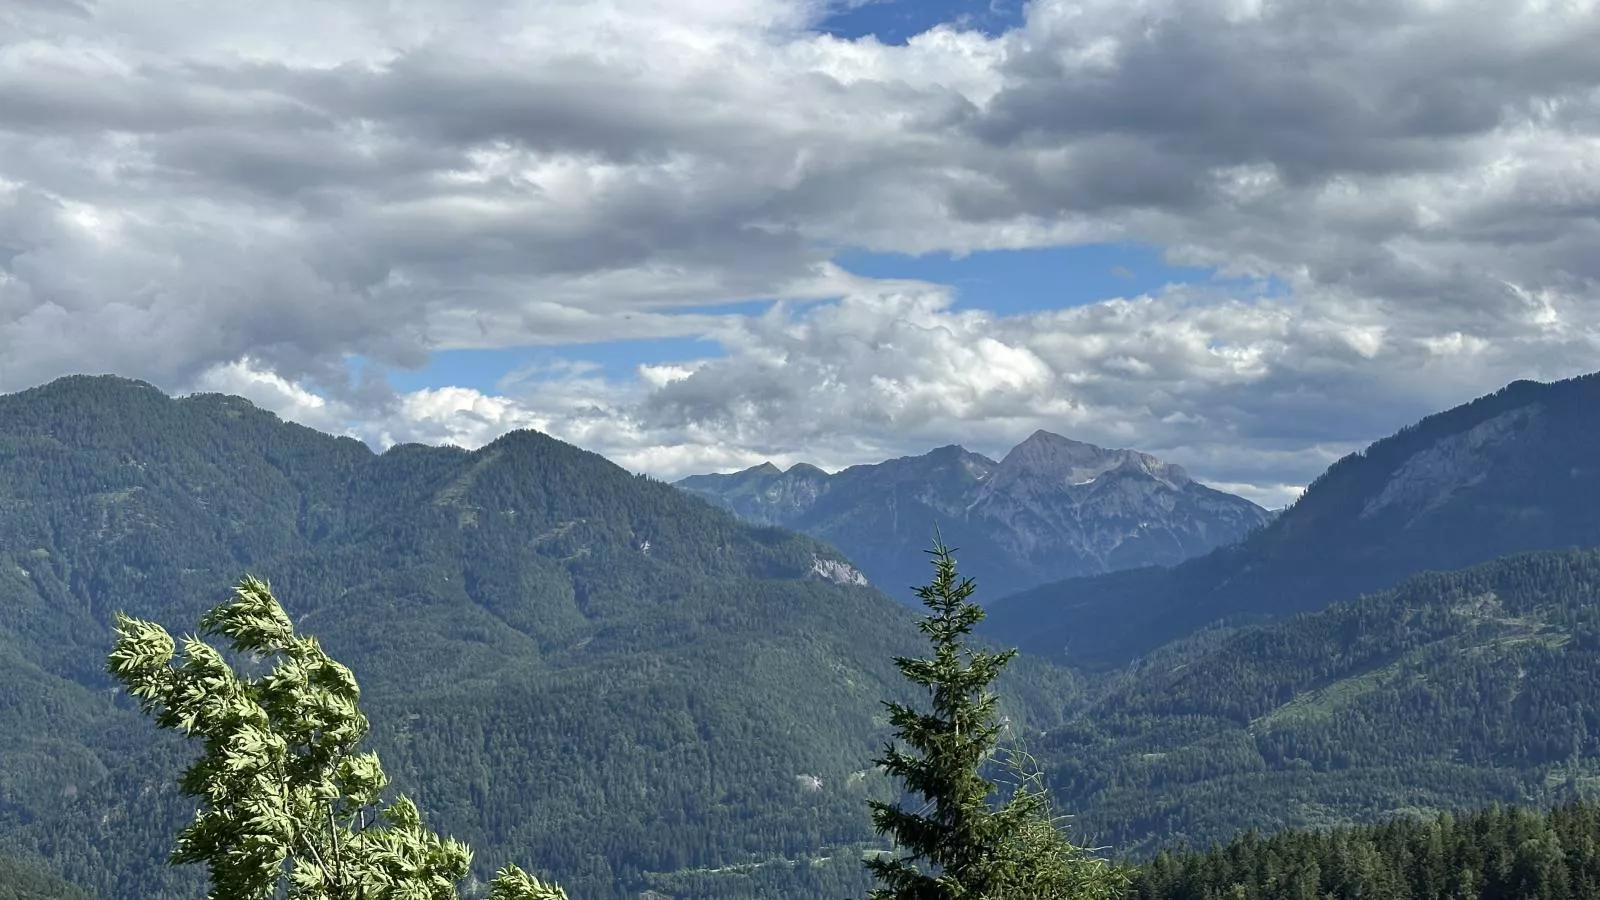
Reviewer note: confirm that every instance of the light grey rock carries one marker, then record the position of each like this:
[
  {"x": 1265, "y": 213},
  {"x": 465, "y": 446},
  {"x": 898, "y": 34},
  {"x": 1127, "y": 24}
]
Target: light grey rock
[{"x": 1052, "y": 508}]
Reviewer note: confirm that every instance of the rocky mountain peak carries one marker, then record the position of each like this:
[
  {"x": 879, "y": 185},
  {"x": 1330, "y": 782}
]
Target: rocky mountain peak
[
  {"x": 1052, "y": 456},
  {"x": 1506, "y": 473},
  {"x": 1052, "y": 507},
  {"x": 1044, "y": 450},
  {"x": 1169, "y": 474}
]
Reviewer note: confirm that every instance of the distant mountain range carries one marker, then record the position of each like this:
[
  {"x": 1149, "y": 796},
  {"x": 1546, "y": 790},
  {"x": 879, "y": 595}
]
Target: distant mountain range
[
  {"x": 1514, "y": 471},
  {"x": 638, "y": 692},
  {"x": 623, "y": 685},
  {"x": 1052, "y": 508}
]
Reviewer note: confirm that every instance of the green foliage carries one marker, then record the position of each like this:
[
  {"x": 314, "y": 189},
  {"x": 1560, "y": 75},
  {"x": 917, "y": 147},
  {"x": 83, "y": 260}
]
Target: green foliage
[
  {"x": 21, "y": 880},
  {"x": 1508, "y": 473},
  {"x": 956, "y": 845},
  {"x": 286, "y": 803},
  {"x": 696, "y": 716},
  {"x": 1451, "y": 691},
  {"x": 1501, "y": 853}
]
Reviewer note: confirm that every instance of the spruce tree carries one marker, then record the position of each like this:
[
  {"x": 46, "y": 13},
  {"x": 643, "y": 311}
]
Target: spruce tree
[
  {"x": 965, "y": 841},
  {"x": 287, "y": 807}
]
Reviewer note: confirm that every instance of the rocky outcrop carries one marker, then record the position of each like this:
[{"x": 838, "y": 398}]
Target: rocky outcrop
[
  {"x": 836, "y": 571},
  {"x": 1510, "y": 472},
  {"x": 1428, "y": 479}
]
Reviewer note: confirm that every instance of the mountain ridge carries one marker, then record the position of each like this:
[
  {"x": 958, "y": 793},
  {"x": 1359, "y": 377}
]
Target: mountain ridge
[
  {"x": 1502, "y": 474},
  {"x": 486, "y": 600},
  {"x": 1050, "y": 506},
  {"x": 1444, "y": 693}
]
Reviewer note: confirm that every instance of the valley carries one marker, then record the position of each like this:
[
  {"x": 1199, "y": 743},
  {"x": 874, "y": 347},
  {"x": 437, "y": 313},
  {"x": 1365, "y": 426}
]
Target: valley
[
  {"x": 568, "y": 662},
  {"x": 800, "y": 450}
]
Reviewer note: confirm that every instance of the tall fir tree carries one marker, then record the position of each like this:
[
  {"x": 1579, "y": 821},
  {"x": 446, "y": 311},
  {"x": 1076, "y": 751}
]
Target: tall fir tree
[
  {"x": 287, "y": 807},
  {"x": 966, "y": 841}
]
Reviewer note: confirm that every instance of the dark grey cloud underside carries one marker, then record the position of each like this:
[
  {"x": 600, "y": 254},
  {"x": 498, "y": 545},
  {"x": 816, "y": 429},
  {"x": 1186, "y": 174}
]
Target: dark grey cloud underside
[{"x": 298, "y": 214}]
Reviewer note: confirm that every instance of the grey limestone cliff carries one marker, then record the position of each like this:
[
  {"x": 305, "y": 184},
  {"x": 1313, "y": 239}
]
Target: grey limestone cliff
[{"x": 1051, "y": 508}]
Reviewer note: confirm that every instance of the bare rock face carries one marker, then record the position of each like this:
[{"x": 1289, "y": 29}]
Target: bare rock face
[
  {"x": 1052, "y": 508},
  {"x": 1429, "y": 478},
  {"x": 1510, "y": 472},
  {"x": 836, "y": 571},
  {"x": 1115, "y": 509}
]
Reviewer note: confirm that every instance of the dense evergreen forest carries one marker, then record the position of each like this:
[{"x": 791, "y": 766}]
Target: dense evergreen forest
[
  {"x": 573, "y": 666},
  {"x": 21, "y": 880},
  {"x": 562, "y": 661},
  {"x": 1510, "y": 472},
  {"x": 1451, "y": 691},
  {"x": 1500, "y": 853}
]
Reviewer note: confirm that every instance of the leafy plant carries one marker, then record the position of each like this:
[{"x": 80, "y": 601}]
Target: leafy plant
[{"x": 287, "y": 805}]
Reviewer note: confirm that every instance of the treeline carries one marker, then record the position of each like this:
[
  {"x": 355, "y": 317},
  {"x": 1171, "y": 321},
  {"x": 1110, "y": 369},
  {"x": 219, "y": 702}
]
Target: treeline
[{"x": 1501, "y": 853}]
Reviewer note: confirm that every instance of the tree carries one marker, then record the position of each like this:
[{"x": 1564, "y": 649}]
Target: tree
[
  {"x": 966, "y": 842},
  {"x": 287, "y": 808}
]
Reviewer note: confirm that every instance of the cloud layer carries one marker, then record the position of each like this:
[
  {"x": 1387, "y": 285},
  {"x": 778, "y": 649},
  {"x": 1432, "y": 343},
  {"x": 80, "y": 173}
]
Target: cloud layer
[{"x": 247, "y": 199}]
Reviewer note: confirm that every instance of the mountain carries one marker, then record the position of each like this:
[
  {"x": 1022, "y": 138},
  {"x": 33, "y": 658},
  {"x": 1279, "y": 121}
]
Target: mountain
[
  {"x": 1446, "y": 693},
  {"x": 20, "y": 880},
  {"x": 585, "y": 670},
  {"x": 1052, "y": 508},
  {"x": 1510, "y": 472}
]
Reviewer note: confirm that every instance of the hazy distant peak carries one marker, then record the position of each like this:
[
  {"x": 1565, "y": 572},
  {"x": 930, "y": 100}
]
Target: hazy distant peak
[
  {"x": 766, "y": 468},
  {"x": 1043, "y": 451},
  {"x": 1047, "y": 454},
  {"x": 1042, "y": 438},
  {"x": 1053, "y": 506},
  {"x": 1143, "y": 463}
]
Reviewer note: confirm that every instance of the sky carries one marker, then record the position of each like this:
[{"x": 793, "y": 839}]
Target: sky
[{"x": 1248, "y": 236}]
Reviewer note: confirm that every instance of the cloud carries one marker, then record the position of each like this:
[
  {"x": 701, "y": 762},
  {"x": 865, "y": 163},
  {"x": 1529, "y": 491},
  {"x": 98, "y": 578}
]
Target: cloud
[{"x": 253, "y": 197}]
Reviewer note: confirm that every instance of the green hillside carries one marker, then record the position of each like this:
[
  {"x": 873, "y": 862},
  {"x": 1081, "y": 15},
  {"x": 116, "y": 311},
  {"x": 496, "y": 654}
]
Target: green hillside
[
  {"x": 1510, "y": 472},
  {"x": 564, "y": 663},
  {"x": 21, "y": 880},
  {"x": 1449, "y": 692},
  {"x": 1502, "y": 853},
  {"x": 598, "y": 675}
]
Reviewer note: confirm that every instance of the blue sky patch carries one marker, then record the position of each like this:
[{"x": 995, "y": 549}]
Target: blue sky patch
[
  {"x": 1004, "y": 282},
  {"x": 483, "y": 370},
  {"x": 1008, "y": 282},
  {"x": 895, "y": 21}
]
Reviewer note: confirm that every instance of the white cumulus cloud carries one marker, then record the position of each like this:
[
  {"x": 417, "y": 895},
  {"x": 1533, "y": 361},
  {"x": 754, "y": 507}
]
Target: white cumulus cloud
[{"x": 248, "y": 199}]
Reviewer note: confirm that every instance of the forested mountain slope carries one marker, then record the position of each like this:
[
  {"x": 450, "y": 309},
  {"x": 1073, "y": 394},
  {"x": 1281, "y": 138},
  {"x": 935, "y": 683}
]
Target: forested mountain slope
[
  {"x": 1501, "y": 853},
  {"x": 1513, "y": 471},
  {"x": 592, "y": 671},
  {"x": 1452, "y": 691},
  {"x": 1052, "y": 508},
  {"x": 21, "y": 880}
]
